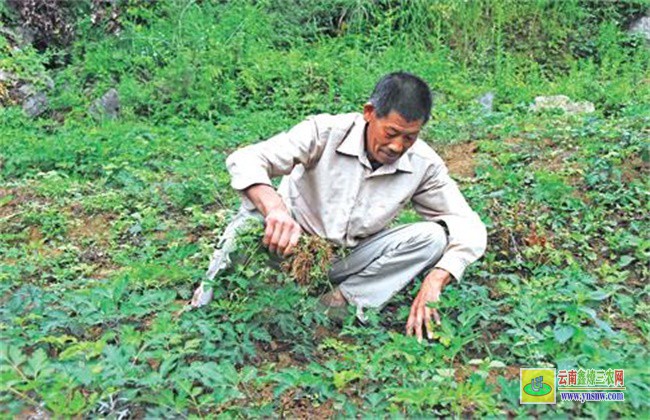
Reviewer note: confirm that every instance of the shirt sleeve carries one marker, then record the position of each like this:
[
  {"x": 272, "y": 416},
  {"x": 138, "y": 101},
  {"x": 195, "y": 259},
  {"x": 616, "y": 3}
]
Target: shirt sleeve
[
  {"x": 259, "y": 163},
  {"x": 439, "y": 199}
]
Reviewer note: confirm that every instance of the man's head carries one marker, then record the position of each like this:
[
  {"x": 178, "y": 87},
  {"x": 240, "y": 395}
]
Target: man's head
[{"x": 398, "y": 108}]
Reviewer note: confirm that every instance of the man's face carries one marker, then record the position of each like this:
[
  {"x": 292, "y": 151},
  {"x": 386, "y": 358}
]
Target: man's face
[{"x": 388, "y": 138}]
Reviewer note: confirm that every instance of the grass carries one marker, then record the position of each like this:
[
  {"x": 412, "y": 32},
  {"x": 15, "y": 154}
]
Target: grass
[{"x": 106, "y": 226}]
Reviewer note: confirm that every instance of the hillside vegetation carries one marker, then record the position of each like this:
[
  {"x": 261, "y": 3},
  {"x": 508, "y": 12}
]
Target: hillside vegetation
[{"x": 108, "y": 220}]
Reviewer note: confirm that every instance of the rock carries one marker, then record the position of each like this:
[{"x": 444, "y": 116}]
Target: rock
[
  {"x": 18, "y": 37},
  {"x": 641, "y": 26},
  {"x": 35, "y": 104},
  {"x": 16, "y": 92},
  {"x": 25, "y": 91},
  {"x": 26, "y": 36},
  {"x": 106, "y": 106},
  {"x": 7, "y": 77},
  {"x": 562, "y": 102},
  {"x": 487, "y": 101},
  {"x": 34, "y": 101}
]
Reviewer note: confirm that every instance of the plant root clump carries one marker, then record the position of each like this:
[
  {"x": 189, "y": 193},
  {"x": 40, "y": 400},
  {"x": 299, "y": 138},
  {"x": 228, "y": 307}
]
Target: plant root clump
[{"x": 310, "y": 261}]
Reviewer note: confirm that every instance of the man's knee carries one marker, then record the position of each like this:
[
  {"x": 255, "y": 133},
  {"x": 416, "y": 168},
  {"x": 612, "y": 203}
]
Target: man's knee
[{"x": 430, "y": 235}]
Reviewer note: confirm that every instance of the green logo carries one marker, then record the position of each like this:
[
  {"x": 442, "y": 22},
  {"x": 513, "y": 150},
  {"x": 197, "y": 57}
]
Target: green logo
[
  {"x": 538, "y": 390},
  {"x": 537, "y": 386}
]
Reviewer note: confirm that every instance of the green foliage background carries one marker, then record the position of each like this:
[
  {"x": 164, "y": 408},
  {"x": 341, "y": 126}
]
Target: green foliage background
[{"x": 106, "y": 225}]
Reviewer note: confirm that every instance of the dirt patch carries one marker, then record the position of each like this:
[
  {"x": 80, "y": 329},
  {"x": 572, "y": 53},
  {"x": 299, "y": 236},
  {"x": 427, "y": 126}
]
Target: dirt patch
[
  {"x": 96, "y": 228},
  {"x": 11, "y": 200},
  {"x": 321, "y": 333},
  {"x": 513, "y": 140},
  {"x": 554, "y": 162},
  {"x": 35, "y": 236},
  {"x": 463, "y": 372},
  {"x": 294, "y": 404},
  {"x": 459, "y": 158},
  {"x": 37, "y": 241},
  {"x": 275, "y": 352},
  {"x": 91, "y": 233},
  {"x": 105, "y": 271},
  {"x": 33, "y": 413},
  {"x": 7, "y": 207},
  {"x": 628, "y": 326},
  {"x": 635, "y": 168}
]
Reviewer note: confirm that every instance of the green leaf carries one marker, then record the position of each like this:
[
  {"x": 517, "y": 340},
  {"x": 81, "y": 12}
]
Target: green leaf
[
  {"x": 625, "y": 260},
  {"x": 59, "y": 340},
  {"x": 167, "y": 366},
  {"x": 37, "y": 362},
  {"x": 598, "y": 295},
  {"x": 342, "y": 378},
  {"x": 6, "y": 199},
  {"x": 496, "y": 364},
  {"x": 563, "y": 333},
  {"x": 15, "y": 356},
  {"x": 589, "y": 311},
  {"x": 89, "y": 349},
  {"x": 604, "y": 326}
]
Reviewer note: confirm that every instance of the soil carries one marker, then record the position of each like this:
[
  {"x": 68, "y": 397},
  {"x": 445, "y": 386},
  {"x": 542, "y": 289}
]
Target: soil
[
  {"x": 96, "y": 227},
  {"x": 294, "y": 405},
  {"x": 635, "y": 168},
  {"x": 19, "y": 196},
  {"x": 459, "y": 158},
  {"x": 627, "y": 325},
  {"x": 462, "y": 372}
]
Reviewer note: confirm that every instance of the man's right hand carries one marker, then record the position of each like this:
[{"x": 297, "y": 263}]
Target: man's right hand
[{"x": 282, "y": 232}]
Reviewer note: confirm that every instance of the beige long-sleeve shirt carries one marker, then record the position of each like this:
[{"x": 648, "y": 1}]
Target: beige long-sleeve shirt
[{"x": 332, "y": 191}]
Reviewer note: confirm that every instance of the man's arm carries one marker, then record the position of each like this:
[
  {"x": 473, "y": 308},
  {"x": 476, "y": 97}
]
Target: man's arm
[
  {"x": 439, "y": 199},
  {"x": 251, "y": 169}
]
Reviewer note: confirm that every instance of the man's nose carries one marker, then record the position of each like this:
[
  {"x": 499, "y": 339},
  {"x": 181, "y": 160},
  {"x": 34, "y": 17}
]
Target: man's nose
[{"x": 396, "y": 147}]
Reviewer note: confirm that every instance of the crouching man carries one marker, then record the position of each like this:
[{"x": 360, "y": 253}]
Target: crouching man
[{"x": 345, "y": 177}]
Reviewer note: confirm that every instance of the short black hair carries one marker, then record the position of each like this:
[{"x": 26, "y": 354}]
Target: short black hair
[{"x": 404, "y": 93}]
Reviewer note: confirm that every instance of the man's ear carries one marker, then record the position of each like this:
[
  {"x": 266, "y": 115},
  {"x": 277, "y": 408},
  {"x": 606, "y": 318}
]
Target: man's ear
[{"x": 368, "y": 112}]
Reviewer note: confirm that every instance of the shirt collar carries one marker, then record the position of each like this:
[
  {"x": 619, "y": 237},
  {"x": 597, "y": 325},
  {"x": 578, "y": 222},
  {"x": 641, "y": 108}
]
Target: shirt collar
[{"x": 353, "y": 145}]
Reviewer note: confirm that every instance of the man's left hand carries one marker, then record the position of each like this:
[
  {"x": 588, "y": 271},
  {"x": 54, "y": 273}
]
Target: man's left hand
[{"x": 421, "y": 314}]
